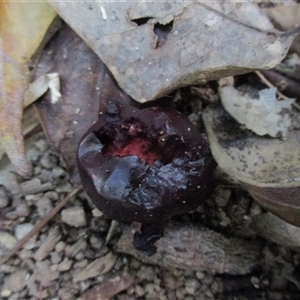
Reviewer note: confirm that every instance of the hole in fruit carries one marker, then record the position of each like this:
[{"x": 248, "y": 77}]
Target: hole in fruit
[
  {"x": 162, "y": 32},
  {"x": 140, "y": 146},
  {"x": 141, "y": 21}
]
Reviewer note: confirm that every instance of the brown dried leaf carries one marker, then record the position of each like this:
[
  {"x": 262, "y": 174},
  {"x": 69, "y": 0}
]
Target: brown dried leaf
[
  {"x": 192, "y": 248},
  {"x": 269, "y": 168},
  {"x": 152, "y": 48},
  {"x": 85, "y": 84},
  {"x": 12, "y": 86}
]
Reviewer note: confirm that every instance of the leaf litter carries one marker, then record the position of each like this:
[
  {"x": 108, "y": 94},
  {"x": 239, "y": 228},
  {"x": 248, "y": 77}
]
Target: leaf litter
[
  {"x": 109, "y": 287},
  {"x": 125, "y": 38}
]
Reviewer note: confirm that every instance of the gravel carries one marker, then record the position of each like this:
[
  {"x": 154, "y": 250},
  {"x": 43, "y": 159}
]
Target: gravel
[{"x": 71, "y": 259}]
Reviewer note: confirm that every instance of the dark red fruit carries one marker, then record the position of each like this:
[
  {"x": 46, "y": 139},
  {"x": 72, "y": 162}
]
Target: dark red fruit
[{"x": 145, "y": 165}]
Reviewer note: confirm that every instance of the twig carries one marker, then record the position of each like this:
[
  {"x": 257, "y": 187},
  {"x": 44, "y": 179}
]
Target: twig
[
  {"x": 270, "y": 85},
  {"x": 39, "y": 226}
]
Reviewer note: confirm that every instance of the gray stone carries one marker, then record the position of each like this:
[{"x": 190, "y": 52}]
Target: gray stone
[{"x": 74, "y": 216}]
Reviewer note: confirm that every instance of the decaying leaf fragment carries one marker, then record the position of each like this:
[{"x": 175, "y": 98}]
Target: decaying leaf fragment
[
  {"x": 264, "y": 115},
  {"x": 39, "y": 87},
  {"x": 154, "y": 47},
  {"x": 268, "y": 167},
  {"x": 192, "y": 248}
]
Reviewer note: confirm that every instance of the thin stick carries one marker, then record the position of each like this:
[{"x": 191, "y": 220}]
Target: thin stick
[
  {"x": 270, "y": 85},
  {"x": 39, "y": 226}
]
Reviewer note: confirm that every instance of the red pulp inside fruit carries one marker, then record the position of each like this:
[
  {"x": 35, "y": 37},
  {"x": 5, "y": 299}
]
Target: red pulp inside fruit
[{"x": 139, "y": 146}]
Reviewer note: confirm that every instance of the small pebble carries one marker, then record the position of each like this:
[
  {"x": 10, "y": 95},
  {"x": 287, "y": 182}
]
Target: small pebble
[
  {"x": 7, "y": 240},
  {"x": 16, "y": 281},
  {"x": 60, "y": 246},
  {"x": 4, "y": 199},
  {"x": 48, "y": 244},
  {"x": 200, "y": 275},
  {"x": 44, "y": 206},
  {"x": 41, "y": 145},
  {"x": 22, "y": 230},
  {"x": 74, "y": 216},
  {"x": 146, "y": 273},
  {"x": 5, "y": 293},
  {"x": 57, "y": 172},
  {"x": 139, "y": 291},
  {"x": 191, "y": 285},
  {"x": 65, "y": 265},
  {"x": 96, "y": 242},
  {"x": 73, "y": 250}
]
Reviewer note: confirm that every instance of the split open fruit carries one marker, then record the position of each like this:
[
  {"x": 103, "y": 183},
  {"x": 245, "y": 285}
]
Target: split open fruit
[{"x": 145, "y": 165}]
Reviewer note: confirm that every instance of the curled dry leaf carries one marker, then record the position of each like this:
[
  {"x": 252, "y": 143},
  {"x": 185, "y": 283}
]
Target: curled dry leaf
[
  {"x": 12, "y": 86},
  {"x": 85, "y": 84},
  {"x": 22, "y": 28},
  {"x": 152, "y": 48},
  {"x": 276, "y": 230},
  {"x": 267, "y": 167},
  {"x": 192, "y": 248}
]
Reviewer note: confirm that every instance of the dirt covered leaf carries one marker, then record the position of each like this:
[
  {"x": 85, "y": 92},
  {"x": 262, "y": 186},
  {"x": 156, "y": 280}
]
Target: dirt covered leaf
[
  {"x": 85, "y": 84},
  {"x": 12, "y": 87},
  {"x": 263, "y": 114},
  {"x": 193, "y": 248},
  {"x": 267, "y": 167},
  {"x": 152, "y": 48},
  {"x": 23, "y": 26}
]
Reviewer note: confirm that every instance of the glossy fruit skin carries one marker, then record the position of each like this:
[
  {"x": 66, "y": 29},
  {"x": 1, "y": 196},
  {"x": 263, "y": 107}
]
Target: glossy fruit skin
[{"x": 130, "y": 189}]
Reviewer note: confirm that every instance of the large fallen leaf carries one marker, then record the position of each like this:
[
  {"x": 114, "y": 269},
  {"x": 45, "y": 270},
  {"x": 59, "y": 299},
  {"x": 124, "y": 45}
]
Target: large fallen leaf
[
  {"x": 269, "y": 168},
  {"x": 152, "y": 48},
  {"x": 86, "y": 87},
  {"x": 23, "y": 26},
  {"x": 12, "y": 86}
]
